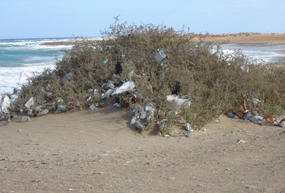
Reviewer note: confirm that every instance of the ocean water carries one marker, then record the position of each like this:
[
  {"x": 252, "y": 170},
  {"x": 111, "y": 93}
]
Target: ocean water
[
  {"x": 258, "y": 53},
  {"x": 24, "y": 58}
]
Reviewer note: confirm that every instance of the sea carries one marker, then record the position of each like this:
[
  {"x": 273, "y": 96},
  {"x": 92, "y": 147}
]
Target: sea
[{"x": 21, "y": 59}]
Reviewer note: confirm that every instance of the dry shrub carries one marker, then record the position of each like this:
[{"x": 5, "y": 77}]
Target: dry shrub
[{"x": 214, "y": 81}]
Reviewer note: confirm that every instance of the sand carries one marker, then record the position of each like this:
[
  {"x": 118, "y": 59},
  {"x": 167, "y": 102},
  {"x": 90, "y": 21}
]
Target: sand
[
  {"x": 247, "y": 38},
  {"x": 98, "y": 152}
]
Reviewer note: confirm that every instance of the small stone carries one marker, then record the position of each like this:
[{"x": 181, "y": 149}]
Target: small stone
[{"x": 217, "y": 120}]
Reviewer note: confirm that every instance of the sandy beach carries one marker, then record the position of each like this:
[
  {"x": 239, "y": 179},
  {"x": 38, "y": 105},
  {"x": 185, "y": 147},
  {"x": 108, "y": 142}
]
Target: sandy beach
[
  {"x": 98, "y": 152},
  {"x": 247, "y": 38}
]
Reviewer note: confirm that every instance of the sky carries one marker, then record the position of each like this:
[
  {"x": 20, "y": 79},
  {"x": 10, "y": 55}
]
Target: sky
[{"x": 88, "y": 18}]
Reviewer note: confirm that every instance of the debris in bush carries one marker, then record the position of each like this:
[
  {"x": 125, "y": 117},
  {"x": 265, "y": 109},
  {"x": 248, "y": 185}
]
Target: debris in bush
[
  {"x": 42, "y": 112},
  {"x": 175, "y": 103},
  {"x": 5, "y": 104},
  {"x": 61, "y": 108},
  {"x": 247, "y": 116},
  {"x": 107, "y": 94},
  {"x": 118, "y": 105},
  {"x": 5, "y": 107},
  {"x": 160, "y": 57},
  {"x": 126, "y": 68},
  {"x": 110, "y": 85},
  {"x": 188, "y": 127},
  {"x": 105, "y": 61},
  {"x": 186, "y": 134},
  {"x": 126, "y": 87},
  {"x": 239, "y": 112},
  {"x": 68, "y": 77},
  {"x": 118, "y": 68},
  {"x": 139, "y": 125},
  {"x": 233, "y": 116},
  {"x": 266, "y": 120},
  {"x": 256, "y": 101},
  {"x": 93, "y": 107},
  {"x": 245, "y": 68},
  {"x": 29, "y": 103}
]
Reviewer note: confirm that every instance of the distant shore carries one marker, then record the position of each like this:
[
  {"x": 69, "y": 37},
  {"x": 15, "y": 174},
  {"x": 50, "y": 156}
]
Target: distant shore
[
  {"x": 68, "y": 42},
  {"x": 249, "y": 38}
]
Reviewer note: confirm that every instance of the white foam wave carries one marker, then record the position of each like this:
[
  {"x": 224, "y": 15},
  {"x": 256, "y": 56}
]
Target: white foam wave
[
  {"x": 34, "y": 44},
  {"x": 257, "y": 53},
  {"x": 14, "y": 77}
]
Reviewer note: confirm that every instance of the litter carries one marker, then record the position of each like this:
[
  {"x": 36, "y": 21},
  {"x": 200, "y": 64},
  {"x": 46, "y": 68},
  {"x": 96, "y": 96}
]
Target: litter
[
  {"x": 245, "y": 68},
  {"x": 139, "y": 126},
  {"x": 92, "y": 107},
  {"x": 90, "y": 90},
  {"x": 89, "y": 99},
  {"x": 239, "y": 112},
  {"x": 25, "y": 119},
  {"x": 110, "y": 85},
  {"x": 29, "y": 103},
  {"x": 232, "y": 115},
  {"x": 240, "y": 141},
  {"x": 61, "y": 108},
  {"x": 118, "y": 68},
  {"x": 68, "y": 77},
  {"x": 173, "y": 102},
  {"x": 188, "y": 127},
  {"x": 5, "y": 104},
  {"x": 160, "y": 58},
  {"x": 107, "y": 94},
  {"x": 268, "y": 120},
  {"x": 42, "y": 112},
  {"x": 126, "y": 87},
  {"x": 105, "y": 61},
  {"x": 257, "y": 119},
  {"x": 133, "y": 121},
  {"x": 118, "y": 105},
  {"x": 186, "y": 134},
  {"x": 247, "y": 116},
  {"x": 256, "y": 101}
]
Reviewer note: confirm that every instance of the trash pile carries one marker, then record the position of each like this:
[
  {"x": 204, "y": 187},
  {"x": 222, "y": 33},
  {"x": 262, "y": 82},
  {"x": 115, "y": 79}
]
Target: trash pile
[
  {"x": 164, "y": 78},
  {"x": 266, "y": 120}
]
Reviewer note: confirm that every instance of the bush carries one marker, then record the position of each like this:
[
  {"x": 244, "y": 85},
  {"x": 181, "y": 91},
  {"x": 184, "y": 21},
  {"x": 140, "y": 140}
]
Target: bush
[{"x": 213, "y": 81}]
